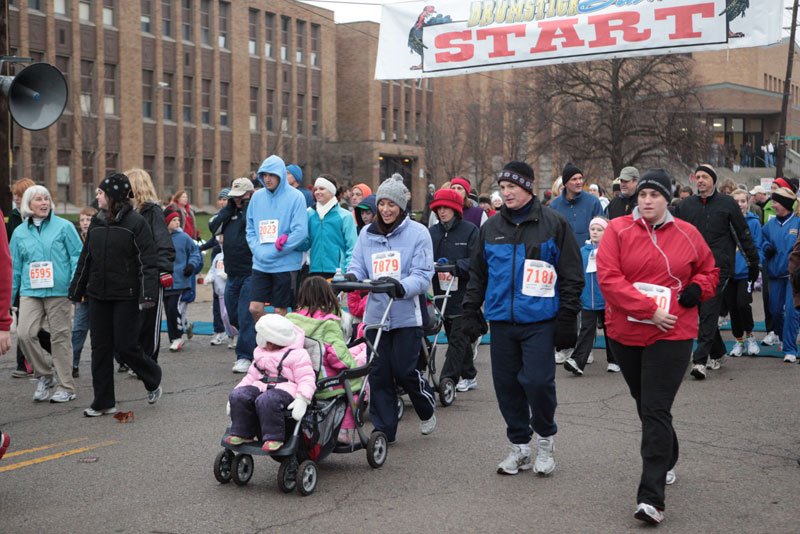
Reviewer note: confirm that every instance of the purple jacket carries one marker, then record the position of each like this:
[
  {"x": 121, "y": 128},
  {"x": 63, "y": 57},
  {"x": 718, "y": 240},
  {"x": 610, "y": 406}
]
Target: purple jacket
[{"x": 475, "y": 215}]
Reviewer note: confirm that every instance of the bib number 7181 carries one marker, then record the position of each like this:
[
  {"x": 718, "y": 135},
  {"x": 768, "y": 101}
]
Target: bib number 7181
[{"x": 539, "y": 279}]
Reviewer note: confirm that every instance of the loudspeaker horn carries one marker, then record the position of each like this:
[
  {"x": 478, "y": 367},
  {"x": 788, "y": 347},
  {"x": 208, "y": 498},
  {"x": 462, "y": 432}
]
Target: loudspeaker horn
[{"x": 37, "y": 95}]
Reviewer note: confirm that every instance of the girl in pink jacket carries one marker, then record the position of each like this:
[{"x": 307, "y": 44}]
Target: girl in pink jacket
[{"x": 280, "y": 377}]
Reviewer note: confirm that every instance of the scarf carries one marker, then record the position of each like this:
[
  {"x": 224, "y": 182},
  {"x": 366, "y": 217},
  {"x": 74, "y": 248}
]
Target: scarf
[{"x": 323, "y": 210}]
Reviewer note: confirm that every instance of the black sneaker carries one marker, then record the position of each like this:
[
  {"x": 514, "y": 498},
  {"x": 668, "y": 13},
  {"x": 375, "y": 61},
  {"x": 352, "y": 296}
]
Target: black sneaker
[
  {"x": 76, "y": 372},
  {"x": 123, "y": 368}
]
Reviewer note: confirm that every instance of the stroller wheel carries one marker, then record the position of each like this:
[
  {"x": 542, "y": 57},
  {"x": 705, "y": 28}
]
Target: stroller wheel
[
  {"x": 242, "y": 469},
  {"x": 307, "y": 478},
  {"x": 222, "y": 466},
  {"x": 401, "y": 408},
  {"x": 447, "y": 391},
  {"x": 287, "y": 474},
  {"x": 377, "y": 449}
]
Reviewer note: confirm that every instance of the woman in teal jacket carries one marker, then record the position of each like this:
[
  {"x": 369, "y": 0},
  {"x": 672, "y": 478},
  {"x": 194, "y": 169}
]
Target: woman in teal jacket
[
  {"x": 331, "y": 231},
  {"x": 44, "y": 252}
]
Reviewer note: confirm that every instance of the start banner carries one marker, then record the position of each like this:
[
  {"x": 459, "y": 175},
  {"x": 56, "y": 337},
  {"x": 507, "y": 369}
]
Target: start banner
[{"x": 449, "y": 37}]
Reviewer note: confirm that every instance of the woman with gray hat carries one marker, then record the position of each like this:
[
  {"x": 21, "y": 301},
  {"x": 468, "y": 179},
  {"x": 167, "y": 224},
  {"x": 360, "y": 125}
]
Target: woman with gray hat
[{"x": 398, "y": 250}]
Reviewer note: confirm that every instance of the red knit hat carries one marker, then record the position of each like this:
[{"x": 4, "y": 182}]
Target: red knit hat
[
  {"x": 448, "y": 198},
  {"x": 462, "y": 182},
  {"x": 171, "y": 215}
]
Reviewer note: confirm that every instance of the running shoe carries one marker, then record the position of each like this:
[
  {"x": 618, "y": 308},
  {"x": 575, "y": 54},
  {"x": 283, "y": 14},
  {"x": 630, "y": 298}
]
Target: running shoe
[
  {"x": 241, "y": 366},
  {"x": 466, "y": 384},
  {"x": 544, "y": 463},
  {"x": 176, "y": 345},
  {"x": 218, "y": 338},
  {"x": 153, "y": 396},
  {"x": 43, "y": 385},
  {"x": 649, "y": 514},
  {"x": 714, "y": 364},
  {"x": 572, "y": 366},
  {"x": 232, "y": 342},
  {"x": 516, "y": 461},
  {"x": 91, "y": 412},
  {"x": 21, "y": 373},
  {"x": 752, "y": 346},
  {"x": 738, "y": 349},
  {"x": 562, "y": 355},
  {"x": 237, "y": 440},
  {"x": 790, "y": 358},
  {"x": 5, "y": 441},
  {"x": 670, "y": 480},
  {"x": 770, "y": 339},
  {"x": 613, "y": 368},
  {"x": 426, "y": 427},
  {"x": 62, "y": 396},
  {"x": 699, "y": 371}
]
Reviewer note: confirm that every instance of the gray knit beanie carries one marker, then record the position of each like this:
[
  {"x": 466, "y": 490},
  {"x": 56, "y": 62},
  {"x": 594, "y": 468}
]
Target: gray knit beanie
[{"x": 394, "y": 190}]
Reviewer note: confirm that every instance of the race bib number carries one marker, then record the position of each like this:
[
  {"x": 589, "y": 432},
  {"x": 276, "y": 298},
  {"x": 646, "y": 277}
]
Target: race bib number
[
  {"x": 660, "y": 294},
  {"x": 539, "y": 279},
  {"x": 591, "y": 265},
  {"x": 386, "y": 264},
  {"x": 41, "y": 274},
  {"x": 268, "y": 231},
  {"x": 445, "y": 280}
]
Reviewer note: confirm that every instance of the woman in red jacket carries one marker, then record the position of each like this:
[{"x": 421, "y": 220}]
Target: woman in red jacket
[{"x": 651, "y": 318}]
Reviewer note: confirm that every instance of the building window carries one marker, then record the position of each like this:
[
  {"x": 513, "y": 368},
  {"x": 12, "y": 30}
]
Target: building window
[
  {"x": 384, "y": 120},
  {"x": 63, "y": 173},
  {"x": 87, "y": 86},
  {"x": 39, "y": 165},
  {"x": 188, "y": 172},
  {"x": 254, "y": 108},
  {"x": 59, "y": 7},
  {"x": 253, "y": 31},
  {"x": 270, "y": 108},
  {"x": 166, "y": 18},
  {"x": 62, "y": 64},
  {"x": 147, "y": 94},
  {"x": 224, "y": 17},
  {"x": 169, "y": 175},
  {"x": 418, "y": 129},
  {"x": 269, "y": 33},
  {"x": 406, "y": 125},
  {"x": 167, "y": 96},
  {"x": 35, "y": 4},
  {"x": 315, "y": 116},
  {"x": 301, "y": 113},
  {"x": 85, "y": 11},
  {"x": 188, "y": 91},
  {"x": 300, "y": 29},
  {"x": 186, "y": 20},
  {"x": 207, "y": 166},
  {"x": 147, "y": 16},
  {"x": 285, "y": 21},
  {"x": 225, "y": 172},
  {"x": 395, "y": 123},
  {"x": 110, "y": 89},
  {"x": 314, "y": 45},
  {"x": 206, "y": 101},
  {"x": 205, "y": 22},
  {"x": 224, "y": 94},
  {"x": 285, "y": 112},
  {"x": 109, "y": 13}
]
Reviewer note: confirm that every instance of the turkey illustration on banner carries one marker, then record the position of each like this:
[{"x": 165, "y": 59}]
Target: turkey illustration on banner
[{"x": 452, "y": 37}]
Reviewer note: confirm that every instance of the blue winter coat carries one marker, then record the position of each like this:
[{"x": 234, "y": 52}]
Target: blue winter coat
[
  {"x": 56, "y": 241},
  {"x": 740, "y": 270},
  {"x": 186, "y": 253},
  {"x": 330, "y": 240},
  {"x": 782, "y": 237},
  {"x": 413, "y": 242},
  {"x": 591, "y": 297},
  {"x": 288, "y": 206},
  {"x": 579, "y": 212}
]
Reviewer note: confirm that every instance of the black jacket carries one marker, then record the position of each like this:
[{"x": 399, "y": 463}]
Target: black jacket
[
  {"x": 456, "y": 245},
  {"x": 118, "y": 260},
  {"x": 721, "y": 223},
  {"x": 14, "y": 220},
  {"x": 231, "y": 223},
  {"x": 620, "y": 206},
  {"x": 154, "y": 217}
]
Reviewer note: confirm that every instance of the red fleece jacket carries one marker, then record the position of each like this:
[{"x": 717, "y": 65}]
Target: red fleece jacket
[{"x": 5, "y": 280}]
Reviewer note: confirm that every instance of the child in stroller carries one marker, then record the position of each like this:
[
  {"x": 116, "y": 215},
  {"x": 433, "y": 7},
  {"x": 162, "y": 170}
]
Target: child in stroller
[{"x": 280, "y": 377}]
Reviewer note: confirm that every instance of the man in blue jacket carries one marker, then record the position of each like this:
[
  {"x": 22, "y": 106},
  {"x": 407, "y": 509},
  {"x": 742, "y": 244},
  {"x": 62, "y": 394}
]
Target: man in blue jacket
[
  {"x": 295, "y": 176},
  {"x": 277, "y": 224},
  {"x": 575, "y": 204}
]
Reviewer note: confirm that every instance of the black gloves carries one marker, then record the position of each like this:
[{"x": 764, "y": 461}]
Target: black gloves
[
  {"x": 399, "y": 290},
  {"x": 566, "y": 334},
  {"x": 473, "y": 325},
  {"x": 690, "y": 296},
  {"x": 350, "y": 277},
  {"x": 188, "y": 271},
  {"x": 770, "y": 252},
  {"x": 752, "y": 273}
]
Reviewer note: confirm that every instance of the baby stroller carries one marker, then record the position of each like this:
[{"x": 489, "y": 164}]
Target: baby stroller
[{"x": 315, "y": 437}]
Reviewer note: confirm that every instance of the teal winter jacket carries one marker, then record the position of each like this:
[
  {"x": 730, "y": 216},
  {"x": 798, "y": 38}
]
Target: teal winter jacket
[
  {"x": 330, "y": 240},
  {"x": 56, "y": 241}
]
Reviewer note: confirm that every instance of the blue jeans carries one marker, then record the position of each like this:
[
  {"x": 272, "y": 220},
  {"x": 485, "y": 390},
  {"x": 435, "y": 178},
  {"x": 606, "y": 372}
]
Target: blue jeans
[
  {"x": 218, "y": 326},
  {"x": 785, "y": 317},
  {"x": 237, "y": 302},
  {"x": 80, "y": 327}
]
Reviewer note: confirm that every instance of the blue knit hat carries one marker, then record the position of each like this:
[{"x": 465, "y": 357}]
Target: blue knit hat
[
  {"x": 296, "y": 171},
  {"x": 223, "y": 193}
]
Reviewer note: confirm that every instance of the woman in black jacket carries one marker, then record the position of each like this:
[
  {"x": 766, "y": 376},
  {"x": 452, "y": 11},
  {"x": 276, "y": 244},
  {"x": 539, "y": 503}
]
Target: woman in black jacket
[
  {"x": 145, "y": 201},
  {"x": 118, "y": 272}
]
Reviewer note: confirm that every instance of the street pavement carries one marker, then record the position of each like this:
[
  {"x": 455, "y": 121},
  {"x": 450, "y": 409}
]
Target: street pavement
[{"x": 738, "y": 470}]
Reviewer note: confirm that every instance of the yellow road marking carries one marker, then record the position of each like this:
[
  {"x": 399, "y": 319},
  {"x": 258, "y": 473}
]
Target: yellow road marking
[
  {"x": 26, "y": 451},
  {"x": 55, "y": 456}
]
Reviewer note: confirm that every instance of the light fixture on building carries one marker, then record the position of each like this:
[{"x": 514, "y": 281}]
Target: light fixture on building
[
  {"x": 406, "y": 160},
  {"x": 380, "y": 158},
  {"x": 163, "y": 85}
]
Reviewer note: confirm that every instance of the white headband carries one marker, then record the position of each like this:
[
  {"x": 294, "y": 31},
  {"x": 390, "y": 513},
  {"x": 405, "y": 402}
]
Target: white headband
[{"x": 327, "y": 184}]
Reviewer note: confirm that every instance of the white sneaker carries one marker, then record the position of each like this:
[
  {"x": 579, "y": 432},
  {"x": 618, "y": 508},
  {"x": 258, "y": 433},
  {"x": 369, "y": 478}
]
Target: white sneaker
[
  {"x": 562, "y": 355},
  {"x": 232, "y": 342},
  {"x": 613, "y": 368},
  {"x": 153, "y": 396},
  {"x": 426, "y": 427},
  {"x": 176, "y": 345},
  {"x": 519, "y": 459},
  {"x": 715, "y": 364},
  {"x": 544, "y": 463},
  {"x": 241, "y": 366},
  {"x": 790, "y": 358},
  {"x": 752, "y": 346},
  {"x": 649, "y": 514},
  {"x": 737, "y": 350},
  {"x": 699, "y": 371},
  {"x": 42, "y": 386},
  {"x": 466, "y": 384},
  {"x": 590, "y": 359},
  {"x": 91, "y": 412},
  {"x": 770, "y": 339},
  {"x": 722, "y": 321},
  {"x": 218, "y": 338},
  {"x": 670, "y": 480},
  {"x": 62, "y": 396},
  {"x": 572, "y": 366}
]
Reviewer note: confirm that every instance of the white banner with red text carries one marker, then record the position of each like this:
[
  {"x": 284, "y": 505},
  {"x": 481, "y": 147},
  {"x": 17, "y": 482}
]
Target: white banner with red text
[{"x": 449, "y": 37}]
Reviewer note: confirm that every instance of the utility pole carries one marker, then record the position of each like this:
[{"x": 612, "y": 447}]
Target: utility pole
[
  {"x": 5, "y": 121},
  {"x": 786, "y": 94}
]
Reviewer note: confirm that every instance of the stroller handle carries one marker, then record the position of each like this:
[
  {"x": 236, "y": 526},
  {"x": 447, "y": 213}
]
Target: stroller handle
[
  {"x": 372, "y": 286},
  {"x": 445, "y": 267}
]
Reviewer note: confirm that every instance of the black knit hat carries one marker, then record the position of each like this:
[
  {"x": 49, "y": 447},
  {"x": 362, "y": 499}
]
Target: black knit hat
[
  {"x": 708, "y": 170},
  {"x": 569, "y": 171},
  {"x": 519, "y": 173},
  {"x": 657, "y": 179},
  {"x": 116, "y": 187}
]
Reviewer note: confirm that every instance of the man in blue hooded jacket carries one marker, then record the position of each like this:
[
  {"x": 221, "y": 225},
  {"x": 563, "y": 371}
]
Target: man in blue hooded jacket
[
  {"x": 578, "y": 206},
  {"x": 277, "y": 224}
]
